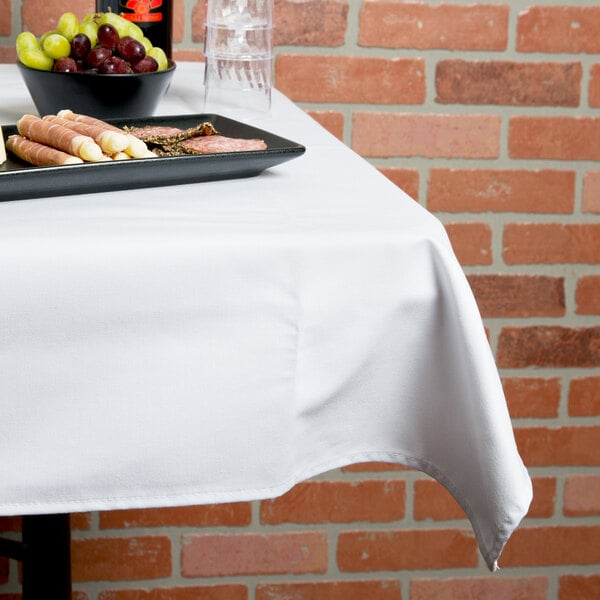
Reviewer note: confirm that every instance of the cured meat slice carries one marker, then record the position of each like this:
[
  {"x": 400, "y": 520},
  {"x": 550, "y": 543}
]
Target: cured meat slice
[
  {"x": 155, "y": 131},
  {"x": 215, "y": 144}
]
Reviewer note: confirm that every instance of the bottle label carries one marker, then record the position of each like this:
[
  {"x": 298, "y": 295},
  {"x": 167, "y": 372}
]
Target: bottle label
[{"x": 143, "y": 11}]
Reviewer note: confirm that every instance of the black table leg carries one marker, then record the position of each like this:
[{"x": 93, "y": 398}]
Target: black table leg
[{"x": 46, "y": 558}]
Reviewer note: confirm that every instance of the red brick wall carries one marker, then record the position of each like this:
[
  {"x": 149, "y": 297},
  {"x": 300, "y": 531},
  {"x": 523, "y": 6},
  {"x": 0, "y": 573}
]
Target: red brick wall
[{"x": 487, "y": 114}]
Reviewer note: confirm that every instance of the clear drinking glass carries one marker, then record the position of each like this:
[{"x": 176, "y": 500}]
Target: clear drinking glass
[{"x": 239, "y": 56}]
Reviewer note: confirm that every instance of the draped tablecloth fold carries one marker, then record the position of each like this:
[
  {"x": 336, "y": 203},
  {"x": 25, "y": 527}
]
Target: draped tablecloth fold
[{"x": 226, "y": 340}]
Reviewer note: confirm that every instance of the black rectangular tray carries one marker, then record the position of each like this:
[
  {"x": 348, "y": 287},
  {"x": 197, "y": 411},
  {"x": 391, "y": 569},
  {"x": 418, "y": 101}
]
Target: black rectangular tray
[{"x": 20, "y": 181}]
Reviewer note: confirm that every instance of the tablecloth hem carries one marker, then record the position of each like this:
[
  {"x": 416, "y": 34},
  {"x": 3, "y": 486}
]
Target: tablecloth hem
[{"x": 490, "y": 552}]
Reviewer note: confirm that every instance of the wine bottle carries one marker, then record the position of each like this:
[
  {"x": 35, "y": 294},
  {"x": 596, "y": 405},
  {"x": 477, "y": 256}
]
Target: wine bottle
[{"x": 154, "y": 17}]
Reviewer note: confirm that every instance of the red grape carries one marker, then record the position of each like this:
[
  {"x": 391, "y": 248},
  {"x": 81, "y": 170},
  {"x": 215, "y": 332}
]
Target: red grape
[
  {"x": 131, "y": 49},
  {"x": 146, "y": 65},
  {"x": 108, "y": 36},
  {"x": 80, "y": 46},
  {"x": 114, "y": 65},
  {"x": 65, "y": 64},
  {"x": 98, "y": 55}
]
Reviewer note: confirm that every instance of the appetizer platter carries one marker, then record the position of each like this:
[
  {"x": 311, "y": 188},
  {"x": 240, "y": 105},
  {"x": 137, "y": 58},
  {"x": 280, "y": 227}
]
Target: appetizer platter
[{"x": 179, "y": 149}]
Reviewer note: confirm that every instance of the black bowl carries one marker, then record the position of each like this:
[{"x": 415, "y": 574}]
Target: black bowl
[{"x": 102, "y": 96}]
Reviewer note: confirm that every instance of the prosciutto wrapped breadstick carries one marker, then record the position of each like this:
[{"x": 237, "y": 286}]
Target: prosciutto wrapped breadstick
[
  {"x": 135, "y": 148},
  {"x": 39, "y": 154},
  {"x": 59, "y": 137},
  {"x": 110, "y": 141}
]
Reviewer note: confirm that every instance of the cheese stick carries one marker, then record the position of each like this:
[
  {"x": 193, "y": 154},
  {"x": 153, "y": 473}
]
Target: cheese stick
[
  {"x": 135, "y": 148},
  {"x": 121, "y": 156},
  {"x": 39, "y": 154},
  {"x": 110, "y": 141},
  {"x": 59, "y": 137}
]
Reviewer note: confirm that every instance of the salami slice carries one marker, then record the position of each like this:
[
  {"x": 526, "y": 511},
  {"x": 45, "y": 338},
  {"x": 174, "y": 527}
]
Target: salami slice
[
  {"x": 215, "y": 144},
  {"x": 155, "y": 131}
]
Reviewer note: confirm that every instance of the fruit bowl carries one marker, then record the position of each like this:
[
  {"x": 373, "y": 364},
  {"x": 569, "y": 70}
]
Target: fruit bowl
[{"x": 132, "y": 95}]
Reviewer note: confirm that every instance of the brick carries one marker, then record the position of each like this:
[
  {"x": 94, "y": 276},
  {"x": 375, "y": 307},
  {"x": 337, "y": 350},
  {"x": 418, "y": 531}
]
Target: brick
[
  {"x": 591, "y": 192},
  {"x": 550, "y": 546},
  {"x": 549, "y": 346},
  {"x": 359, "y": 79},
  {"x": 81, "y": 521},
  {"x": 188, "y": 54},
  {"x": 406, "y": 179},
  {"x": 471, "y": 242},
  {"x": 231, "y": 514},
  {"x": 559, "y": 29},
  {"x": 253, "y": 554},
  {"x": 337, "y": 502},
  {"x": 10, "y": 524},
  {"x": 561, "y": 446},
  {"x": 433, "y": 501},
  {"x": 518, "y": 295},
  {"x": 387, "y": 589},
  {"x": 8, "y": 54},
  {"x": 587, "y": 295},
  {"x": 209, "y": 592},
  {"x": 179, "y": 18},
  {"x": 560, "y": 138},
  {"x": 532, "y": 397},
  {"x": 548, "y": 243},
  {"x": 480, "y": 588},
  {"x": 579, "y": 587},
  {"x": 402, "y": 550},
  {"x": 198, "y": 22},
  {"x": 594, "y": 86},
  {"x": 389, "y": 24},
  {"x": 310, "y": 23},
  {"x": 331, "y": 120},
  {"x": 544, "y": 497},
  {"x": 584, "y": 397},
  {"x": 483, "y": 190},
  {"x": 121, "y": 559},
  {"x": 5, "y": 17},
  {"x": 582, "y": 496},
  {"x": 40, "y": 16},
  {"x": 377, "y": 134},
  {"x": 501, "y": 83}
]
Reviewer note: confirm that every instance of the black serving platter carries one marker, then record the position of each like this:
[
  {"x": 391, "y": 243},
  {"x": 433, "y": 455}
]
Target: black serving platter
[{"x": 20, "y": 180}]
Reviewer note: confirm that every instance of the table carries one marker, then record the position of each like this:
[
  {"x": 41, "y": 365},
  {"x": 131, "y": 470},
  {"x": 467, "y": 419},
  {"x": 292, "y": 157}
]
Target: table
[{"x": 270, "y": 328}]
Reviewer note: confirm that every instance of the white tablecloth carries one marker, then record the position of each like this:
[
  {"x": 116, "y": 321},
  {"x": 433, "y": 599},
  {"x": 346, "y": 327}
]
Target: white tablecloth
[{"x": 223, "y": 341}]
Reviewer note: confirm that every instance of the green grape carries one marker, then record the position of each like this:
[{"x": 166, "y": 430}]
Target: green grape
[
  {"x": 89, "y": 17},
  {"x": 135, "y": 31},
  {"x": 146, "y": 43},
  {"x": 56, "y": 46},
  {"x": 45, "y": 35},
  {"x": 117, "y": 21},
  {"x": 159, "y": 55},
  {"x": 90, "y": 28},
  {"x": 26, "y": 41},
  {"x": 68, "y": 25},
  {"x": 36, "y": 59}
]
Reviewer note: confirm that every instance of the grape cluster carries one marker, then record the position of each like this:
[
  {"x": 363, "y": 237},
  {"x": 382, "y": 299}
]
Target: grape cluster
[{"x": 103, "y": 43}]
